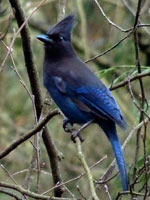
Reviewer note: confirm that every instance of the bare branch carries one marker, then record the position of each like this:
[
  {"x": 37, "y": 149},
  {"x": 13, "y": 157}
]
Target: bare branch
[
  {"x": 86, "y": 168},
  {"x": 129, "y": 193},
  {"x": 2, "y": 35},
  {"x": 124, "y": 83},
  {"x": 22, "y": 25},
  {"x": 143, "y": 100},
  {"x": 29, "y": 193},
  {"x": 11, "y": 194},
  {"x": 8, "y": 174},
  {"x": 107, "y": 18},
  {"x": 134, "y": 130},
  {"x": 78, "y": 177},
  {"x": 25, "y": 137},
  {"x": 34, "y": 83},
  {"x": 111, "y": 48}
]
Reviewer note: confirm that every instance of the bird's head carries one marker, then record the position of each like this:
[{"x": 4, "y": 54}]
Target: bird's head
[{"x": 60, "y": 34}]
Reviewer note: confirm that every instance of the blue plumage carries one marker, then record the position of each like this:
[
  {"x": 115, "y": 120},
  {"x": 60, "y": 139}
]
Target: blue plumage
[
  {"x": 110, "y": 130},
  {"x": 77, "y": 91}
]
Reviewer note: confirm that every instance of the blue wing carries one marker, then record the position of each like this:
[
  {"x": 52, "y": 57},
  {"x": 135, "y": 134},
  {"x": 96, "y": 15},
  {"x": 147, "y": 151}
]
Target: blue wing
[
  {"x": 103, "y": 102},
  {"x": 98, "y": 99}
]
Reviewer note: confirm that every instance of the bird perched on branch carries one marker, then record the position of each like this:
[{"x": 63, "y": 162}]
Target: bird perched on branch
[{"x": 76, "y": 90}]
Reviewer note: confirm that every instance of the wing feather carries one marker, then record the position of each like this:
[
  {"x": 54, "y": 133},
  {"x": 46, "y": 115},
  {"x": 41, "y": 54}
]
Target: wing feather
[{"x": 97, "y": 100}]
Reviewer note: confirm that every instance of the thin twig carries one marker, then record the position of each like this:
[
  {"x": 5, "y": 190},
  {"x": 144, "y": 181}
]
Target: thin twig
[
  {"x": 71, "y": 194},
  {"x": 11, "y": 194},
  {"x": 81, "y": 194},
  {"x": 29, "y": 134},
  {"x": 134, "y": 130},
  {"x": 35, "y": 86},
  {"x": 107, "y": 192},
  {"x": 111, "y": 48},
  {"x": 129, "y": 193},
  {"x": 25, "y": 170},
  {"x": 3, "y": 35},
  {"x": 86, "y": 168},
  {"x": 134, "y": 101},
  {"x": 107, "y": 180},
  {"x": 109, "y": 21},
  {"x": 25, "y": 86},
  {"x": 8, "y": 174},
  {"x": 129, "y": 30},
  {"x": 29, "y": 193},
  {"x": 138, "y": 64},
  {"x": 125, "y": 82},
  {"x": 17, "y": 33},
  {"x": 76, "y": 178}
]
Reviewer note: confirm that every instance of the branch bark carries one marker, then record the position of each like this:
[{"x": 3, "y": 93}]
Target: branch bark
[
  {"x": 35, "y": 87},
  {"x": 29, "y": 193},
  {"x": 26, "y": 136},
  {"x": 124, "y": 83}
]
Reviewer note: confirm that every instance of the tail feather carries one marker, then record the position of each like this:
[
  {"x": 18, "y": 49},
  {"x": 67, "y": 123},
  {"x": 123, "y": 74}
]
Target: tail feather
[{"x": 110, "y": 130}]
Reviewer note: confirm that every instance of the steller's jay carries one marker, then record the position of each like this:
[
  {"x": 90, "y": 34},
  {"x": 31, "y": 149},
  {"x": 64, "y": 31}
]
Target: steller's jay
[{"x": 77, "y": 91}]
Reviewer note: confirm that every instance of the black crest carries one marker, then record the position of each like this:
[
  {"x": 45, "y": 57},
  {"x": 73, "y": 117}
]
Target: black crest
[{"x": 63, "y": 28}]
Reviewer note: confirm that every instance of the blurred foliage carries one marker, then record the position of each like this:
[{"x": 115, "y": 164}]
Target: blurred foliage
[{"x": 16, "y": 111}]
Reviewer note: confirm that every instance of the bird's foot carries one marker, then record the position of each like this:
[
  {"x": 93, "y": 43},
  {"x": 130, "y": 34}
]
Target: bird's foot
[
  {"x": 75, "y": 134},
  {"x": 67, "y": 125}
]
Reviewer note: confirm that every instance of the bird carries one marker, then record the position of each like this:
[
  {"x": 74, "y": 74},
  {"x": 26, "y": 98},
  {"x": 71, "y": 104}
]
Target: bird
[{"x": 77, "y": 91}]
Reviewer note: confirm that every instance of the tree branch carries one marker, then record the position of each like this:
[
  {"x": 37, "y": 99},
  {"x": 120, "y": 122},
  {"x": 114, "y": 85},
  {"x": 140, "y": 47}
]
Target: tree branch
[
  {"x": 86, "y": 168},
  {"x": 26, "y": 136},
  {"x": 29, "y": 193},
  {"x": 10, "y": 194},
  {"x": 123, "y": 83},
  {"x": 35, "y": 87}
]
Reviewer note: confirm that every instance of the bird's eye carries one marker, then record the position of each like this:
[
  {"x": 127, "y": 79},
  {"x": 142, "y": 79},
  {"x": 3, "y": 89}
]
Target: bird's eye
[{"x": 56, "y": 37}]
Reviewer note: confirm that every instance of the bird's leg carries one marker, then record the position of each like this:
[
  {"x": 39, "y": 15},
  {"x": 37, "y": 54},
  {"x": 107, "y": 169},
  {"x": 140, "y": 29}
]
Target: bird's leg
[
  {"x": 78, "y": 132},
  {"x": 67, "y": 125}
]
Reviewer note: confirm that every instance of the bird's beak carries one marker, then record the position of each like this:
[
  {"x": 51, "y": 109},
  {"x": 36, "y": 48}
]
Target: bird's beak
[{"x": 44, "y": 38}]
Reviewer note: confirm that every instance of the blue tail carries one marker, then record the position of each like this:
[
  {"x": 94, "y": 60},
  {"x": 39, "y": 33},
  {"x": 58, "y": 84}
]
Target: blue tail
[{"x": 109, "y": 128}]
